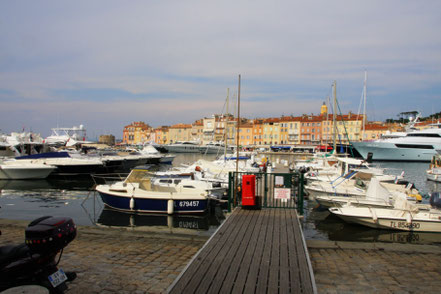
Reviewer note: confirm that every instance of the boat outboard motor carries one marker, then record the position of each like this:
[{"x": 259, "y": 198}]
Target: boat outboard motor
[{"x": 435, "y": 200}]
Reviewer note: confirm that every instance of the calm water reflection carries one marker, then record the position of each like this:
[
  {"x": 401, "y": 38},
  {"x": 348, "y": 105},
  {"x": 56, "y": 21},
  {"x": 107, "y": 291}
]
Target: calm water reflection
[{"x": 27, "y": 200}]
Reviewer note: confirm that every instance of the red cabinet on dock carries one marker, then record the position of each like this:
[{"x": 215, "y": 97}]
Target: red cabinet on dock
[{"x": 249, "y": 190}]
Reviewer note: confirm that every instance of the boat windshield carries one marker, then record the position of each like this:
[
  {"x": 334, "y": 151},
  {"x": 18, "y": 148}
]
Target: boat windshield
[{"x": 137, "y": 175}]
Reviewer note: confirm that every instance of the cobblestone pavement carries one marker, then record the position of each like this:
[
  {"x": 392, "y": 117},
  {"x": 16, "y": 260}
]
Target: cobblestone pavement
[
  {"x": 345, "y": 267},
  {"x": 119, "y": 261}
]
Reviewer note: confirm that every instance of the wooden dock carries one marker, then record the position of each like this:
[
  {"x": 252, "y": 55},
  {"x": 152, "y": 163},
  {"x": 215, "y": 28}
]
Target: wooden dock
[{"x": 254, "y": 251}]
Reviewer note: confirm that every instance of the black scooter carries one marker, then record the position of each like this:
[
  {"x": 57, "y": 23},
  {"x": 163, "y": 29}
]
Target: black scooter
[{"x": 34, "y": 262}]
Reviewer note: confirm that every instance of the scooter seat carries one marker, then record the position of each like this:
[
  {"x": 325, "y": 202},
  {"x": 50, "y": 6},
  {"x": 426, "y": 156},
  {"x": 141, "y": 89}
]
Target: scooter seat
[{"x": 9, "y": 253}]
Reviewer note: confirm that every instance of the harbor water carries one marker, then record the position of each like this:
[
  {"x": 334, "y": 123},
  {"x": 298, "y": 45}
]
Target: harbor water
[{"x": 27, "y": 200}]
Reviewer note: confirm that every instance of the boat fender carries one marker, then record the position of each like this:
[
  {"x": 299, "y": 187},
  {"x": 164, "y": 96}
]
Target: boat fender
[
  {"x": 132, "y": 203},
  {"x": 170, "y": 206},
  {"x": 374, "y": 215},
  {"x": 409, "y": 218}
]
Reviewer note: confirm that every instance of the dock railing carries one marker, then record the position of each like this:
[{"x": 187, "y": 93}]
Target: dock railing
[{"x": 273, "y": 190}]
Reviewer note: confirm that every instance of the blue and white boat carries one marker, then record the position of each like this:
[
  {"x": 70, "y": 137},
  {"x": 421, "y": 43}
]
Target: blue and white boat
[{"x": 141, "y": 192}]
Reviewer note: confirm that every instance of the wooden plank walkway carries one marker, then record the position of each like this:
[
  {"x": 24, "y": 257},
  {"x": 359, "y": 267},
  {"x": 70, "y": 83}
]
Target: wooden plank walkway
[{"x": 254, "y": 251}]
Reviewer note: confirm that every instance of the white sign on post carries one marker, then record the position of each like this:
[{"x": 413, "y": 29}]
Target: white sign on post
[
  {"x": 279, "y": 181},
  {"x": 282, "y": 193}
]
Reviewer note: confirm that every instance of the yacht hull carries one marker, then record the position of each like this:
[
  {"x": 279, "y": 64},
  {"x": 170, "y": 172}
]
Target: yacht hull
[
  {"x": 150, "y": 202},
  {"x": 384, "y": 151},
  {"x": 24, "y": 173}
]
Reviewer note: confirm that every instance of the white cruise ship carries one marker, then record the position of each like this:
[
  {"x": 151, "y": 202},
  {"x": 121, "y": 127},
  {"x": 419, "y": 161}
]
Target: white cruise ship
[{"x": 419, "y": 145}]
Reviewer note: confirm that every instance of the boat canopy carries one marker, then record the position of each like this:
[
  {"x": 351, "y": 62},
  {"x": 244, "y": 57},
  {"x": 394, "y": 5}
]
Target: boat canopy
[{"x": 137, "y": 175}]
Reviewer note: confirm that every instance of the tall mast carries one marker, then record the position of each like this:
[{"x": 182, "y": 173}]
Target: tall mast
[
  {"x": 327, "y": 121},
  {"x": 237, "y": 140},
  {"x": 226, "y": 125},
  {"x": 364, "y": 103},
  {"x": 334, "y": 118}
]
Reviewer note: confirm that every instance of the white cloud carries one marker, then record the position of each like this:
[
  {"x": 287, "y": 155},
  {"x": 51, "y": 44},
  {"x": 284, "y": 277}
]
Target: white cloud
[{"x": 288, "y": 53}]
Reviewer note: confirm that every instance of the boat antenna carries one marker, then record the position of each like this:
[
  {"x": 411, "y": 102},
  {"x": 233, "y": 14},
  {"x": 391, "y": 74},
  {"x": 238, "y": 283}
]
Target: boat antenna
[{"x": 237, "y": 141}]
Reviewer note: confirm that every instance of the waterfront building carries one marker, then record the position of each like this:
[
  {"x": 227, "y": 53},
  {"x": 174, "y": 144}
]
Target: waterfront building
[
  {"x": 179, "y": 132},
  {"x": 216, "y": 128},
  {"x": 136, "y": 133},
  {"x": 374, "y": 131},
  {"x": 271, "y": 131},
  {"x": 107, "y": 139},
  {"x": 246, "y": 134},
  {"x": 310, "y": 129},
  {"x": 230, "y": 130},
  {"x": 197, "y": 130},
  {"x": 213, "y": 129},
  {"x": 161, "y": 135},
  {"x": 291, "y": 130},
  {"x": 349, "y": 128},
  {"x": 286, "y": 130},
  {"x": 257, "y": 132}
]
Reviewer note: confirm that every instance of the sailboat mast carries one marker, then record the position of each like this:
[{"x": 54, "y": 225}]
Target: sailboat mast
[
  {"x": 237, "y": 140},
  {"x": 226, "y": 125},
  {"x": 327, "y": 121},
  {"x": 333, "y": 117},
  {"x": 364, "y": 103}
]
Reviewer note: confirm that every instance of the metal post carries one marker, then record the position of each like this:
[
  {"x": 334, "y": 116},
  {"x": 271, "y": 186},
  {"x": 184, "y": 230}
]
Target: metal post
[
  {"x": 230, "y": 189},
  {"x": 300, "y": 204},
  {"x": 265, "y": 189}
]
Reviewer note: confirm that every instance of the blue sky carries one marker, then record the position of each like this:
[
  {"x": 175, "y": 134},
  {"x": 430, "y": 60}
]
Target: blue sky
[{"x": 105, "y": 64}]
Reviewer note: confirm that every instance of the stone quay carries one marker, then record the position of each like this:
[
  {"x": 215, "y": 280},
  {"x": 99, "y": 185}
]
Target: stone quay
[{"x": 116, "y": 260}]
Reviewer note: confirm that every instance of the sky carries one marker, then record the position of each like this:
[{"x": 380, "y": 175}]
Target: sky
[{"x": 105, "y": 64}]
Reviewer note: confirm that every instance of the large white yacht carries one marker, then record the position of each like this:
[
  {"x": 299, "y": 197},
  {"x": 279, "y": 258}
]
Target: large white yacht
[{"x": 419, "y": 145}]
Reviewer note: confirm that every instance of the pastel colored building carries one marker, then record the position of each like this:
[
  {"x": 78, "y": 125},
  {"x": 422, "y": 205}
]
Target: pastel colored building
[
  {"x": 179, "y": 132},
  {"x": 136, "y": 133}
]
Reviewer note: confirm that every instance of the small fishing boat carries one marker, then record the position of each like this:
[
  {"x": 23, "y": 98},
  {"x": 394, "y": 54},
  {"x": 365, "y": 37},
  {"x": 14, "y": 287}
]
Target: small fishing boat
[
  {"x": 142, "y": 192},
  {"x": 404, "y": 216}
]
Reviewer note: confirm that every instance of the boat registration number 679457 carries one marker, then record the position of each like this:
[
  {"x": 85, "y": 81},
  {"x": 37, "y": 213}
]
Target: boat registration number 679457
[{"x": 188, "y": 203}]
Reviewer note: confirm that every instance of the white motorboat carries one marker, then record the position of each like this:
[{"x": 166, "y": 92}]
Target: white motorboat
[
  {"x": 377, "y": 195},
  {"x": 419, "y": 145},
  {"x": 344, "y": 166},
  {"x": 434, "y": 171},
  {"x": 352, "y": 185},
  {"x": 18, "y": 170},
  {"x": 404, "y": 216},
  {"x": 66, "y": 136},
  {"x": 141, "y": 192},
  {"x": 64, "y": 163},
  {"x": 19, "y": 144},
  {"x": 153, "y": 154}
]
